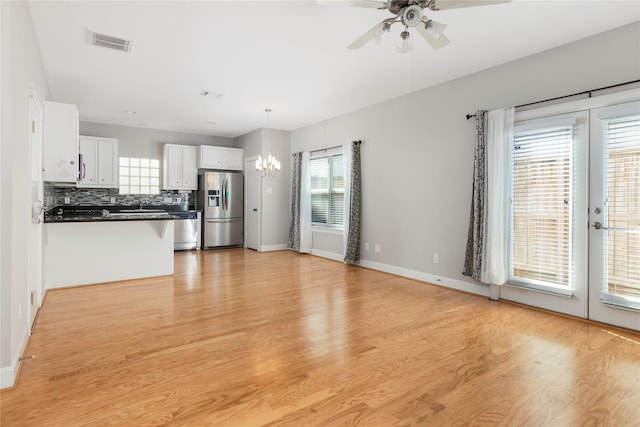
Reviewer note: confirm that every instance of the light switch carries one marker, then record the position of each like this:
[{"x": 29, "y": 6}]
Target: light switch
[{"x": 269, "y": 190}]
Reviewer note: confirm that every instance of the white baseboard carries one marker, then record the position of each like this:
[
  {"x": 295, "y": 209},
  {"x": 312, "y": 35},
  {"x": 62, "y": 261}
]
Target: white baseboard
[
  {"x": 460, "y": 285},
  {"x": 325, "y": 254},
  {"x": 269, "y": 248},
  {"x": 8, "y": 374}
]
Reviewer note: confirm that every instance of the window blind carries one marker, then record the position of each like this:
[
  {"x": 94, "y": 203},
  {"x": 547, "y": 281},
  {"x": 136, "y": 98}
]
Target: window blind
[
  {"x": 541, "y": 203},
  {"x": 622, "y": 178},
  {"x": 327, "y": 190}
]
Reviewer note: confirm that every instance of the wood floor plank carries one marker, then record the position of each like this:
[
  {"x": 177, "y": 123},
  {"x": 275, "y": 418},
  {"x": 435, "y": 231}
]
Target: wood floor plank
[{"x": 240, "y": 338}]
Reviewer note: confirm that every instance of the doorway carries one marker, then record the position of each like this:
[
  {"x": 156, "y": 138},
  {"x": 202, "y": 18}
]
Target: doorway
[
  {"x": 252, "y": 204},
  {"x": 575, "y": 210}
]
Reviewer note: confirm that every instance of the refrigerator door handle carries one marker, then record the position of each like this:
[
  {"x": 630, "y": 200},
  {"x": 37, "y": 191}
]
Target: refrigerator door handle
[
  {"x": 222, "y": 196},
  {"x": 226, "y": 196}
]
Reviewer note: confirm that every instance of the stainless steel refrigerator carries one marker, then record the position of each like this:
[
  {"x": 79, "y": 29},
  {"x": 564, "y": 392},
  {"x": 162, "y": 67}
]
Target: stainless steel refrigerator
[{"x": 221, "y": 197}]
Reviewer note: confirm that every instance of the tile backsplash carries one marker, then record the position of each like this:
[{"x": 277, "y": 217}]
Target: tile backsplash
[{"x": 54, "y": 196}]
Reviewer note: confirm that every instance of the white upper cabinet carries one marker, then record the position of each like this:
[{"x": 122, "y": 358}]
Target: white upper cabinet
[
  {"x": 60, "y": 142},
  {"x": 179, "y": 167},
  {"x": 98, "y": 162},
  {"x": 210, "y": 157}
]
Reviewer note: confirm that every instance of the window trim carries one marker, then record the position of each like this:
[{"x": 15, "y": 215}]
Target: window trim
[
  {"x": 150, "y": 186},
  {"x": 319, "y": 226}
]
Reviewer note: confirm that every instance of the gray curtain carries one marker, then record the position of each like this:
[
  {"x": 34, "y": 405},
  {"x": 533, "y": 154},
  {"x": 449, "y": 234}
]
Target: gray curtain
[
  {"x": 352, "y": 250},
  {"x": 477, "y": 220},
  {"x": 296, "y": 188}
]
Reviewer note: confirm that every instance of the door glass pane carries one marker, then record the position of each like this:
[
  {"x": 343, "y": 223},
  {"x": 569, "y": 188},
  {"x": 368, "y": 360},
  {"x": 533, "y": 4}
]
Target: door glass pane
[
  {"x": 541, "y": 208},
  {"x": 621, "y": 144}
]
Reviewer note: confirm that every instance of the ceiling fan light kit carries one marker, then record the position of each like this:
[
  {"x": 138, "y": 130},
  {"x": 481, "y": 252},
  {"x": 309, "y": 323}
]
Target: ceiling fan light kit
[
  {"x": 409, "y": 13},
  {"x": 404, "y": 45}
]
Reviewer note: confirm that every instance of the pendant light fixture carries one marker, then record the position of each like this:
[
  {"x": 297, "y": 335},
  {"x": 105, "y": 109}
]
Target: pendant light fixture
[{"x": 268, "y": 166}]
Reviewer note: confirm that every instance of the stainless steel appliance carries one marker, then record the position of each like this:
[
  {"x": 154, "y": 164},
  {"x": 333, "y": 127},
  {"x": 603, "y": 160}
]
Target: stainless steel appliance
[
  {"x": 220, "y": 197},
  {"x": 186, "y": 230}
]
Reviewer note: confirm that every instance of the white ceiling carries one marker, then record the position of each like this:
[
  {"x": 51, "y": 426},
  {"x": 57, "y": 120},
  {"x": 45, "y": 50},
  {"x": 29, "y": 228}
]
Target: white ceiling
[{"x": 289, "y": 56}]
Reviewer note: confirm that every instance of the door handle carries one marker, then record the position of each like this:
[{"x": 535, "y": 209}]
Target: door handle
[{"x": 598, "y": 226}]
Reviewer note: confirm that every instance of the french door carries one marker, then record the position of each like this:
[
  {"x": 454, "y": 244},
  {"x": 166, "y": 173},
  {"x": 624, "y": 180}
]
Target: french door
[
  {"x": 614, "y": 216},
  {"x": 575, "y": 210}
]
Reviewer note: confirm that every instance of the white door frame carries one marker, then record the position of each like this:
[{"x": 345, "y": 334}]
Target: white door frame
[
  {"x": 615, "y": 316},
  {"x": 35, "y": 207},
  {"x": 249, "y": 168}
]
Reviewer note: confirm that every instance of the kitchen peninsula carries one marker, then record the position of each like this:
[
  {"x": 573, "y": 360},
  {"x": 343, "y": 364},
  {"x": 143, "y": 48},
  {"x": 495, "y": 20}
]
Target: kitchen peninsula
[{"x": 97, "y": 245}]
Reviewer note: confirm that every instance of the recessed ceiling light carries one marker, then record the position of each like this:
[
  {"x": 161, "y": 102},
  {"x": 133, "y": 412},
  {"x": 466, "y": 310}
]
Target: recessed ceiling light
[
  {"x": 129, "y": 111},
  {"x": 209, "y": 122}
]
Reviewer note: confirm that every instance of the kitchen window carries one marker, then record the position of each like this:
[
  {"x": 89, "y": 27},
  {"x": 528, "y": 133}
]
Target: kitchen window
[
  {"x": 139, "y": 175},
  {"x": 327, "y": 190}
]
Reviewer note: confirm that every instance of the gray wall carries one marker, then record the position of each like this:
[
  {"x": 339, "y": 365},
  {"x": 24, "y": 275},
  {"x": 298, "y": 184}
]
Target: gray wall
[
  {"x": 21, "y": 67},
  {"x": 143, "y": 142},
  {"x": 275, "y": 192},
  {"x": 417, "y": 155}
]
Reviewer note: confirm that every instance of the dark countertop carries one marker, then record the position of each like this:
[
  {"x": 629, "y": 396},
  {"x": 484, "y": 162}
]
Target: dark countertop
[{"x": 109, "y": 213}]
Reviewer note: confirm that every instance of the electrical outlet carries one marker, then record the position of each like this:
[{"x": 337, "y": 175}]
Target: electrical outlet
[
  {"x": 167, "y": 199},
  {"x": 113, "y": 200},
  {"x": 67, "y": 200},
  {"x": 178, "y": 199},
  {"x": 366, "y": 246},
  {"x": 436, "y": 258},
  {"x": 378, "y": 248}
]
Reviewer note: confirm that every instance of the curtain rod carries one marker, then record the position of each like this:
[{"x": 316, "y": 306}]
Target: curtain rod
[
  {"x": 589, "y": 92},
  {"x": 358, "y": 142}
]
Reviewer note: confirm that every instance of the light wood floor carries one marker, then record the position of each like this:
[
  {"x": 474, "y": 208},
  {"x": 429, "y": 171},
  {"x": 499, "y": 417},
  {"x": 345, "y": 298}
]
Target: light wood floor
[{"x": 241, "y": 338}]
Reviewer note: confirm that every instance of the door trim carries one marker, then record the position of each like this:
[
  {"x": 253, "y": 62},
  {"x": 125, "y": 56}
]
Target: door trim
[{"x": 249, "y": 167}]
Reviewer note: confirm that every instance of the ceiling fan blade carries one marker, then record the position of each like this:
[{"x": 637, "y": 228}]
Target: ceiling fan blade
[
  {"x": 375, "y": 4},
  {"x": 374, "y": 33},
  {"x": 431, "y": 31},
  {"x": 456, "y": 4}
]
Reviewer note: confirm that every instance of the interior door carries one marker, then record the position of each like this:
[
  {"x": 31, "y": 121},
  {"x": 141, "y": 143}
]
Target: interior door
[
  {"x": 252, "y": 204},
  {"x": 614, "y": 236},
  {"x": 34, "y": 275}
]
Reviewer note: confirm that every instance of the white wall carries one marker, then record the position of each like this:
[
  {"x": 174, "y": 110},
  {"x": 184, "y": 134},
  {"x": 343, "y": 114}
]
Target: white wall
[
  {"x": 275, "y": 203},
  {"x": 21, "y": 68},
  {"x": 417, "y": 155}
]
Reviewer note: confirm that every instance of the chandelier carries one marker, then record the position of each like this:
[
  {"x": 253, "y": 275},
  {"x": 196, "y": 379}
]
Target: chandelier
[{"x": 268, "y": 166}]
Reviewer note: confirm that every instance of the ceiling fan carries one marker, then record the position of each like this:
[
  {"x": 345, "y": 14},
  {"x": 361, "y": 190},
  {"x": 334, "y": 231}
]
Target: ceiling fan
[{"x": 409, "y": 13}]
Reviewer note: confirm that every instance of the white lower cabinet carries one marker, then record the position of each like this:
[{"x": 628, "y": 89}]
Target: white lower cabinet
[
  {"x": 212, "y": 157},
  {"x": 98, "y": 162}
]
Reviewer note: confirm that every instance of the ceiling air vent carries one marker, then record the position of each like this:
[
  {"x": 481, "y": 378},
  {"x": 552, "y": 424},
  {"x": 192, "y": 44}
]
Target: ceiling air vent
[{"x": 111, "y": 42}]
